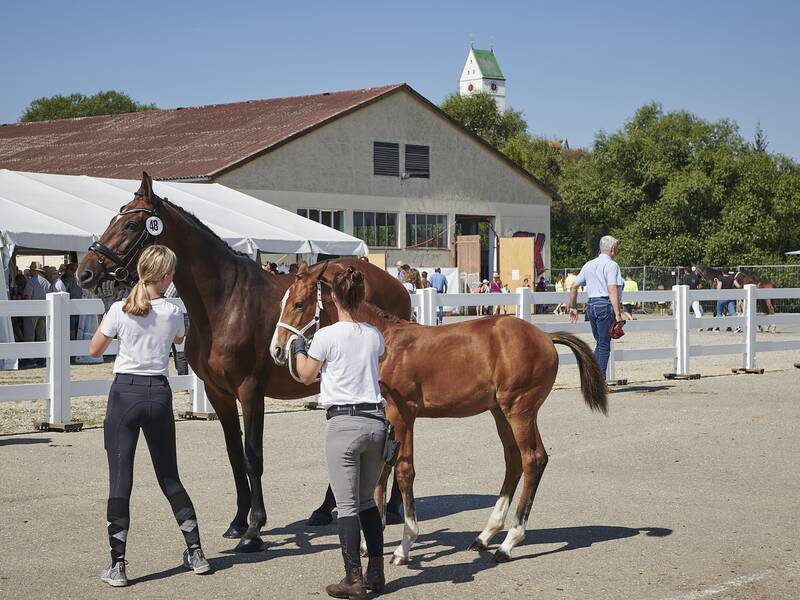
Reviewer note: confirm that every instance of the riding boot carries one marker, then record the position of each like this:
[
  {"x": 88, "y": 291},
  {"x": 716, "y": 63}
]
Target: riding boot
[
  {"x": 352, "y": 586},
  {"x": 372, "y": 527}
]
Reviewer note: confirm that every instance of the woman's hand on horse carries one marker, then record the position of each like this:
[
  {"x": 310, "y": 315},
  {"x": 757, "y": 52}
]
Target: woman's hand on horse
[{"x": 298, "y": 346}]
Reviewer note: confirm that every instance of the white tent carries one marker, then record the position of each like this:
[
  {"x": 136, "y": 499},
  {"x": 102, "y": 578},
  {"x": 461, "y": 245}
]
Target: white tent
[
  {"x": 794, "y": 253},
  {"x": 68, "y": 212}
]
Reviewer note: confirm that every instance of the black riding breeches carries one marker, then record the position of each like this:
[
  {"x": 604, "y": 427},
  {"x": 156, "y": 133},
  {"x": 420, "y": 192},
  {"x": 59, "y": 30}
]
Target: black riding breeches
[{"x": 138, "y": 402}]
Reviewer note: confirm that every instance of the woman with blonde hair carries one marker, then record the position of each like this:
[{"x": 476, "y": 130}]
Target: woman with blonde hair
[{"x": 141, "y": 399}]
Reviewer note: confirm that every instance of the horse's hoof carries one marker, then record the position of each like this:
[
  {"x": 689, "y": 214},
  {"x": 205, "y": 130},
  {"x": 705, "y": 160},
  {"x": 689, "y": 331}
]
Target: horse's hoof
[
  {"x": 235, "y": 532},
  {"x": 502, "y": 557},
  {"x": 393, "y": 518},
  {"x": 398, "y": 560},
  {"x": 318, "y": 519},
  {"x": 249, "y": 545},
  {"x": 478, "y": 546}
]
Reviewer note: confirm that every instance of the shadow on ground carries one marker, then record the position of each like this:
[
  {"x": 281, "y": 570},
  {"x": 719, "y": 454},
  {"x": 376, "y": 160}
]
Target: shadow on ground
[
  {"x": 22, "y": 441},
  {"x": 569, "y": 538}
]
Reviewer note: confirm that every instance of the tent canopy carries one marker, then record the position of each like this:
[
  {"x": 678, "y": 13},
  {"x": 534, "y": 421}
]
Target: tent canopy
[{"x": 68, "y": 212}]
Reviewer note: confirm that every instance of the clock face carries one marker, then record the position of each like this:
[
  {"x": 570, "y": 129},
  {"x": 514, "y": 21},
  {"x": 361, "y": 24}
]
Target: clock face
[
  {"x": 470, "y": 87},
  {"x": 494, "y": 87}
]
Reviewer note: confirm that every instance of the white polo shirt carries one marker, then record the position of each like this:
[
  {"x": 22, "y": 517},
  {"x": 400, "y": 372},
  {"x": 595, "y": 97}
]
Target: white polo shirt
[
  {"x": 598, "y": 274},
  {"x": 144, "y": 342}
]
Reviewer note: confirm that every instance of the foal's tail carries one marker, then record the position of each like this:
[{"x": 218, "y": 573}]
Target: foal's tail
[{"x": 593, "y": 381}]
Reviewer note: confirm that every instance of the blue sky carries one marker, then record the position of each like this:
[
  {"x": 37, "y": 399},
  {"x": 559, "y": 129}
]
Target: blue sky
[{"x": 573, "y": 68}]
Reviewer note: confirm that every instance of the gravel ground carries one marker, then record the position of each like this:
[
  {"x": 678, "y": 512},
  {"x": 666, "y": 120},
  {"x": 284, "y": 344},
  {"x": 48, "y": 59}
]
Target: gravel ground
[
  {"x": 17, "y": 417},
  {"x": 687, "y": 491}
]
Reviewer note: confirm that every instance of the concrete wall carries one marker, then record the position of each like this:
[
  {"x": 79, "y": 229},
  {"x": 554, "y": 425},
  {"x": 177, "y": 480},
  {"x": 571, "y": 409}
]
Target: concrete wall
[{"x": 332, "y": 168}]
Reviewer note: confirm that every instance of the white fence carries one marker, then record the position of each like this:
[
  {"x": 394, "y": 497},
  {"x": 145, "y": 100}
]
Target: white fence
[
  {"x": 427, "y": 301},
  {"x": 59, "y": 387}
]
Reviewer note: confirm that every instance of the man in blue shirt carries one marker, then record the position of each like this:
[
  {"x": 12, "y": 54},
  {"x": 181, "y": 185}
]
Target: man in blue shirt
[
  {"x": 439, "y": 283},
  {"x": 604, "y": 284}
]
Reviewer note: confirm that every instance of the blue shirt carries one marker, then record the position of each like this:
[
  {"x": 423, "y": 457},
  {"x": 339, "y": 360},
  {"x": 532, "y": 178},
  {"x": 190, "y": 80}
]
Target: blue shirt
[
  {"x": 598, "y": 274},
  {"x": 437, "y": 281}
]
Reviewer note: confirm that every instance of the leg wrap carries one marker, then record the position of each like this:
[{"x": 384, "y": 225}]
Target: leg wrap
[
  {"x": 184, "y": 513},
  {"x": 118, "y": 519}
]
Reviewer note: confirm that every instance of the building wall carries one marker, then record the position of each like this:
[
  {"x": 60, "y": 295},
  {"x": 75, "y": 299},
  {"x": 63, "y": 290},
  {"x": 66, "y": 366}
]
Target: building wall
[{"x": 332, "y": 167}]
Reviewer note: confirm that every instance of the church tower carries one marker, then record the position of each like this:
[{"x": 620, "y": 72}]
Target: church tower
[{"x": 482, "y": 74}]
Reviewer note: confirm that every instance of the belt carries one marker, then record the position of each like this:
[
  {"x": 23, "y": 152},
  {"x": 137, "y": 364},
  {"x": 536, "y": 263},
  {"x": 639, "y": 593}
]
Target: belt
[
  {"x": 145, "y": 380},
  {"x": 599, "y": 298},
  {"x": 365, "y": 409}
]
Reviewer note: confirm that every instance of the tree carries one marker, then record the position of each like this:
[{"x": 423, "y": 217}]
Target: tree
[
  {"x": 78, "y": 105},
  {"x": 479, "y": 114},
  {"x": 537, "y": 155}
]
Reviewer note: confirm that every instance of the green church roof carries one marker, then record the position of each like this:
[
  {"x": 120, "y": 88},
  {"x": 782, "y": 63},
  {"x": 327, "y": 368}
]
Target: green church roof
[{"x": 487, "y": 63}]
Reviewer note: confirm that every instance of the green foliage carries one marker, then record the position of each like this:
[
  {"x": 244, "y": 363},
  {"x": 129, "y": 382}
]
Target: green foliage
[
  {"x": 479, "y": 114},
  {"x": 78, "y": 105},
  {"x": 674, "y": 189}
]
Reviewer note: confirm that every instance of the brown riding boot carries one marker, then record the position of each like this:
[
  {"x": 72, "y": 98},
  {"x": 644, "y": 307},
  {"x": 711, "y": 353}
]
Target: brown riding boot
[
  {"x": 352, "y": 586},
  {"x": 374, "y": 578}
]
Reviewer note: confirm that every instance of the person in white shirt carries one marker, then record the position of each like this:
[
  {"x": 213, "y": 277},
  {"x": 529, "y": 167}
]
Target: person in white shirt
[
  {"x": 604, "y": 284},
  {"x": 347, "y": 355},
  {"x": 141, "y": 399}
]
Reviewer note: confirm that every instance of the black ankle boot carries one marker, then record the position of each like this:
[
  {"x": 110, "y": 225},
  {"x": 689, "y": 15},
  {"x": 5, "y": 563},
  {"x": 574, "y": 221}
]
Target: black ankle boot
[{"x": 374, "y": 579}]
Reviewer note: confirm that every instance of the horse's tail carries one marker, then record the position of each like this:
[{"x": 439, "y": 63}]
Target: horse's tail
[{"x": 593, "y": 381}]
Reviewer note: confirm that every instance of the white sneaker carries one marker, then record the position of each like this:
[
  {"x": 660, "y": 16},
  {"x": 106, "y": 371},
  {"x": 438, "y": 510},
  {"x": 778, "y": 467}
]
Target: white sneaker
[
  {"x": 196, "y": 561},
  {"x": 115, "y": 575}
]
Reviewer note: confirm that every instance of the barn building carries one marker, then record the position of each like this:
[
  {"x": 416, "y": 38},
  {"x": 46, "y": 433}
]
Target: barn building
[{"x": 383, "y": 164}]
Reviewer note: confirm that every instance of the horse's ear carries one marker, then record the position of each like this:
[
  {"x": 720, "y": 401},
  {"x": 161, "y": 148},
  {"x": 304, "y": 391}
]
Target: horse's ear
[
  {"x": 146, "y": 189},
  {"x": 322, "y": 271},
  {"x": 302, "y": 269}
]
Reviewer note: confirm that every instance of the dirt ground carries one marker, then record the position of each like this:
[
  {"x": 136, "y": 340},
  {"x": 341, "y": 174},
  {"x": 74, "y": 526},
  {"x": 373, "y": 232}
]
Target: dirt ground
[{"x": 688, "y": 490}]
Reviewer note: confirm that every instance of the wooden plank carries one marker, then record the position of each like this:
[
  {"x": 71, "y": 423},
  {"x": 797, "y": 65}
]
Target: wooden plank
[
  {"x": 468, "y": 254},
  {"x": 198, "y": 416},
  {"x": 748, "y": 371},
  {"x": 681, "y": 376},
  {"x": 68, "y": 427}
]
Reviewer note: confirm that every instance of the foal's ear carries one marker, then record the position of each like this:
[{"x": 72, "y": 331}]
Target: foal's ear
[{"x": 146, "y": 189}]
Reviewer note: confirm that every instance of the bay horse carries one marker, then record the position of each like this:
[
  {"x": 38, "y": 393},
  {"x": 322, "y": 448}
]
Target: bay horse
[
  {"x": 742, "y": 277},
  {"x": 510, "y": 365},
  {"x": 233, "y": 306}
]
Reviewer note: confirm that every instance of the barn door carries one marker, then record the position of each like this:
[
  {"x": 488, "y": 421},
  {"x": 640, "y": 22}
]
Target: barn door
[{"x": 468, "y": 257}]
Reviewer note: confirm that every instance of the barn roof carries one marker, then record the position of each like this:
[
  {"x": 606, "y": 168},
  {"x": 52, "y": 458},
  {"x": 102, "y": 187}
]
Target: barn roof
[{"x": 178, "y": 143}]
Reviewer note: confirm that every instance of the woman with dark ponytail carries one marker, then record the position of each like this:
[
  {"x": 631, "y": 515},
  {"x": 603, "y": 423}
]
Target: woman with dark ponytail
[
  {"x": 347, "y": 354},
  {"x": 140, "y": 398}
]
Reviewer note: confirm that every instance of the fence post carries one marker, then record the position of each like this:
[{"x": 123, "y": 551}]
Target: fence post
[
  {"x": 524, "y": 303},
  {"x": 58, "y": 364},
  {"x": 426, "y": 313},
  {"x": 199, "y": 400},
  {"x": 680, "y": 309},
  {"x": 750, "y": 311},
  {"x": 611, "y": 367}
]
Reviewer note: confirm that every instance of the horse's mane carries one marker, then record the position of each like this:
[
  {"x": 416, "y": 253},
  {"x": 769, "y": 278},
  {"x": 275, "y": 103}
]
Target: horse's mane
[
  {"x": 203, "y": 227},
  {"x": 380, "y": 314}
]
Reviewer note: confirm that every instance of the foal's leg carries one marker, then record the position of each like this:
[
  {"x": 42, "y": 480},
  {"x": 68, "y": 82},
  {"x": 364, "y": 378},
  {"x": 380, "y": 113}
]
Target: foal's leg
[
  {"x": 405, "y": 479},
  {"x": 534, "y": 461},
  {"x": 228, "y": 414},
  {"x": 251, "y": 396},
  {"x": 513, "y": 473}
]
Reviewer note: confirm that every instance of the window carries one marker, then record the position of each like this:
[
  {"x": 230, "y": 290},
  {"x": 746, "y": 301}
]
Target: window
[
  {"x": 331, "y": 218},
  {"x": 386, "y": 159},
  {"x": 426, "y": 231},
  {"x": 375, "y": 228},
  {"x": 418, "y": 161}
]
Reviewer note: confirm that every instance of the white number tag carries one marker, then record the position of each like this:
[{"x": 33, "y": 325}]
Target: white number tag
[{"x": 154, "y": 226}]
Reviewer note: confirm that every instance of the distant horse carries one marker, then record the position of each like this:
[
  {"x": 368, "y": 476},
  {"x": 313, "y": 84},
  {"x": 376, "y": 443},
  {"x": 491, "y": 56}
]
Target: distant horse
[
  {"x": 499, "y": 364},
  {"x": 233, "y": 306},
  {"x": 742, "y": 277}
]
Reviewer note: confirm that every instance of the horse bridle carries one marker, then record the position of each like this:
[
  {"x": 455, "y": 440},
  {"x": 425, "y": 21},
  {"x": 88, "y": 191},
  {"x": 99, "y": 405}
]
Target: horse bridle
[
  {"x": 313, "y": 323},
  {"x": 123, "y": 271}
]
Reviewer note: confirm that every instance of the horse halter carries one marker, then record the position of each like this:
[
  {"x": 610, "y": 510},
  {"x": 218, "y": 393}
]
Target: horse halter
[
  {"x": 313, "y": 323},
  {"x": 123, "y": 271}
]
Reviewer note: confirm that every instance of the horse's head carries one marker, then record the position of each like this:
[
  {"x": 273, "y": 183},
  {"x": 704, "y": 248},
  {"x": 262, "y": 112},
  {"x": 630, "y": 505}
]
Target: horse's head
[
  {"x": 116, "y": 253},
  {"x": 300, "y": 311}
]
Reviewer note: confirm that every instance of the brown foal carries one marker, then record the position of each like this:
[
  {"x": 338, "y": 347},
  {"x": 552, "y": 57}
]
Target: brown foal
[{"x": 512, "y": 366}]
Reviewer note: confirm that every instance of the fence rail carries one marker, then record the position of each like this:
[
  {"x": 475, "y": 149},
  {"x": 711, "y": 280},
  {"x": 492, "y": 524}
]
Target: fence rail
[
  {"x": 58, "y": 349},
  {"x": 426, "y": 303}
]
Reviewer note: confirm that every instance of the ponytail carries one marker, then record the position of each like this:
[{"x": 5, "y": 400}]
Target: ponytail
[
  {"x": 138, "y": 302},
  {"x": 155, "y": 263},
  {"x": 348, "y": 287}
]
